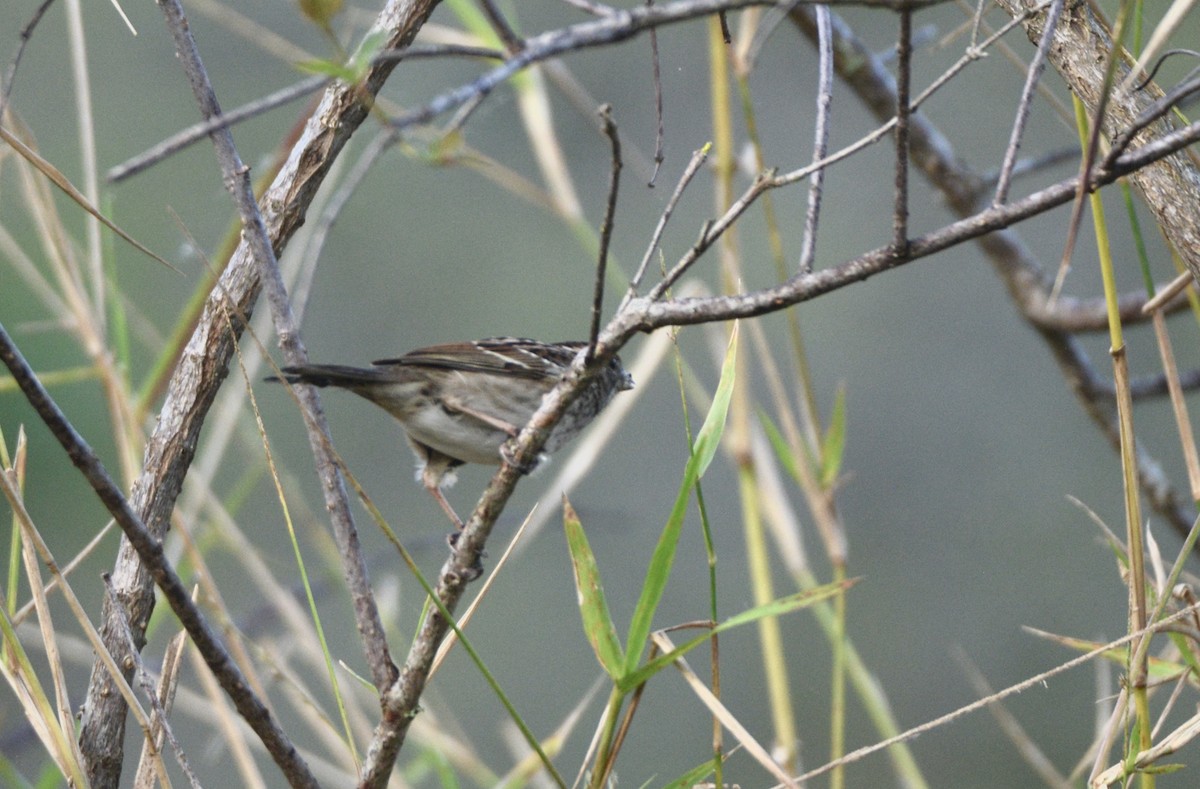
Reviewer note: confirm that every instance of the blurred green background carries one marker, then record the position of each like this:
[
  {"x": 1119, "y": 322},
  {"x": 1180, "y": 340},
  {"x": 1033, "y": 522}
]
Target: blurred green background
[{"x": 963, "y": 440}]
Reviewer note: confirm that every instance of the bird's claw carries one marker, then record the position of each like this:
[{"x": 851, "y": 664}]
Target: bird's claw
[
  {"x": 475, "y": 570},
  {"x": 508, "y": 453}
]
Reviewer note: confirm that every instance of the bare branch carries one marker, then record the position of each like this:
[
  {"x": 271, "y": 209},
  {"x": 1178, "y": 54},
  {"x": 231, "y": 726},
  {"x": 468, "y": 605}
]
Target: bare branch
[
  {"x": 808, "y": 247},
  {"x": 903, "y": 78},
  {"x": 1036, "y": 67},
  {"x": 1082, "y": 44},
  {"x": 203, "y": 367},
  {"x": 149, "y": 549},
  {"x": 606, "y": 227},
  {"x": 689, "y": 172}
]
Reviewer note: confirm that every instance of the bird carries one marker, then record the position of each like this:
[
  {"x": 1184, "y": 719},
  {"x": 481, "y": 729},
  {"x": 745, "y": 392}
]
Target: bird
[{"x": 461, "y": 402}]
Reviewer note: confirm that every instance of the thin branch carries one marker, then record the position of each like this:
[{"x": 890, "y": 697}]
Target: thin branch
[
  {"x": 713, "y": 230},
  {"x": 689, "y": 172},
  {"x": 808, "y": 247},
  {"x": 177, "y": 142},
  {"x": 606, "y": 228},
  {"x": 609, "y": 29},
  {"x": 903, "y": 79},
  {"x": 237, "y": 180},
  {"x": 660, "y": 129},
  {"x": 150, "y": 549},
  {"x": 1172, "y": 98},
  {"x": 1034, "y": 75},
  {"x": 198, "y": 131},
  {"x": 648, "y": 313},
  {"x": 500, "y": 26},
  {"x": 205, "y": 361},
  {"x": 23, "y": 37}
]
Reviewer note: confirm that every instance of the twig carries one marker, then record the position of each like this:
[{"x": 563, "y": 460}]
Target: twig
[
  {"x": 160, "y": 719},
  {"x": 808, "y": 247},
  {"x": 689, "y": 172},
  {"x": 606, "y": 228},
  {"x": 903, "y": 79},
  {"x": 22, "y": 39},
  {"x": 608, "y": 29},
  {"x": 648, "y": 313},
  {"x": 500, "y": 26},
  {"x": 1036, "y": 67},
  {"x": 660, "y": 129},
  {"x": 196, "y": 132},
  {"x": 237, "y": 180}
]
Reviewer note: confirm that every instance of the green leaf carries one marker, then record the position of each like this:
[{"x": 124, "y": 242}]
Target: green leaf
[
  {"x": 659, "y": 570},
  {"x": 353, "y": 71},
  {"x": 709, "y": 437},
  {"x": 694, "y": 776},
  {"x": 834, "y": 444},
  {"x": 329, "y": 68},
  {"x": 778, "y": 443},
  {"x": 362, "y": 59},
  {"x": 597, "y": 622}
]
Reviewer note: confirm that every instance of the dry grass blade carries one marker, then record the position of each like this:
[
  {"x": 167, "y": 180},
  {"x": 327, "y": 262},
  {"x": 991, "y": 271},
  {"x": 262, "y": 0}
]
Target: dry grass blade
[
  {"x": 168, "y": 682},
  {"x": 34, "y": 548},
  {"x": 1037, "y": 679},
  {"x": 1034, "y": 756},
  {"x": 722, "y": 713},
  {"x": 1166, "y": 26},
  {"x": 452, "y": 637},
  {"x": 1170, "y": 744},
  {"x": 61, "y": 181},
  {"x": 230, "y": 730}
]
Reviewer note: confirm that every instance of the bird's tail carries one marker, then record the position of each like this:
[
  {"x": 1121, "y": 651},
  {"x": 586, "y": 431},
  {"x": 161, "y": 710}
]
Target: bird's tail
[{"x": 330, "y": 375}]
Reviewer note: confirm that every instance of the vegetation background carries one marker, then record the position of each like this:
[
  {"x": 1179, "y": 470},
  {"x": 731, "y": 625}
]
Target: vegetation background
[{"x": 963, "y": 443}]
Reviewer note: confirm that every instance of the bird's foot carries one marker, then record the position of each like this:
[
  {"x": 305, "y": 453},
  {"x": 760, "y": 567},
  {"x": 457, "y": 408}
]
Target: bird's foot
[
  {"x": 508, "y": 452},
  {"x": 475, "y": 570}
]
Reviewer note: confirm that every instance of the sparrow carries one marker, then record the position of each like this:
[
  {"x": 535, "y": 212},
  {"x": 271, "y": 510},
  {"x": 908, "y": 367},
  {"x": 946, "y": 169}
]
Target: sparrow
[{"x": 462, "y": 402}]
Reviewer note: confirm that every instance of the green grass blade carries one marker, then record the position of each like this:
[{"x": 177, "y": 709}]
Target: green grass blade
[
  {"x": 833, "y": 446},
  {"x": 779, "y": 607},
  {"x": 597, "y": 622},
  {"x": 707, "y": 441},
  {"x": 694, "y": 776}
]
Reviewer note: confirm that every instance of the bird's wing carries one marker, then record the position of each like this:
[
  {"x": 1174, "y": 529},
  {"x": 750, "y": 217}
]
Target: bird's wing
[{"x": 513, "y": 356}]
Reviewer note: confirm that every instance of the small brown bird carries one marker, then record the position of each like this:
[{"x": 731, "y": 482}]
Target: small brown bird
[{"x": 461, "y": 402}]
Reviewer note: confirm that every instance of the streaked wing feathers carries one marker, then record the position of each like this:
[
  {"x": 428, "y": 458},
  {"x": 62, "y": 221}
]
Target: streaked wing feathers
[{"x": 515, "y": 356}]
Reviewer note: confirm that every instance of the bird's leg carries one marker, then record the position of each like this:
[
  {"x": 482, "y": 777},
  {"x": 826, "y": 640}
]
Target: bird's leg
[
  {"x": 445, "y": 505},
  {"x": 506, "y": 449},
  {"x": 452, "y": 404}
]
